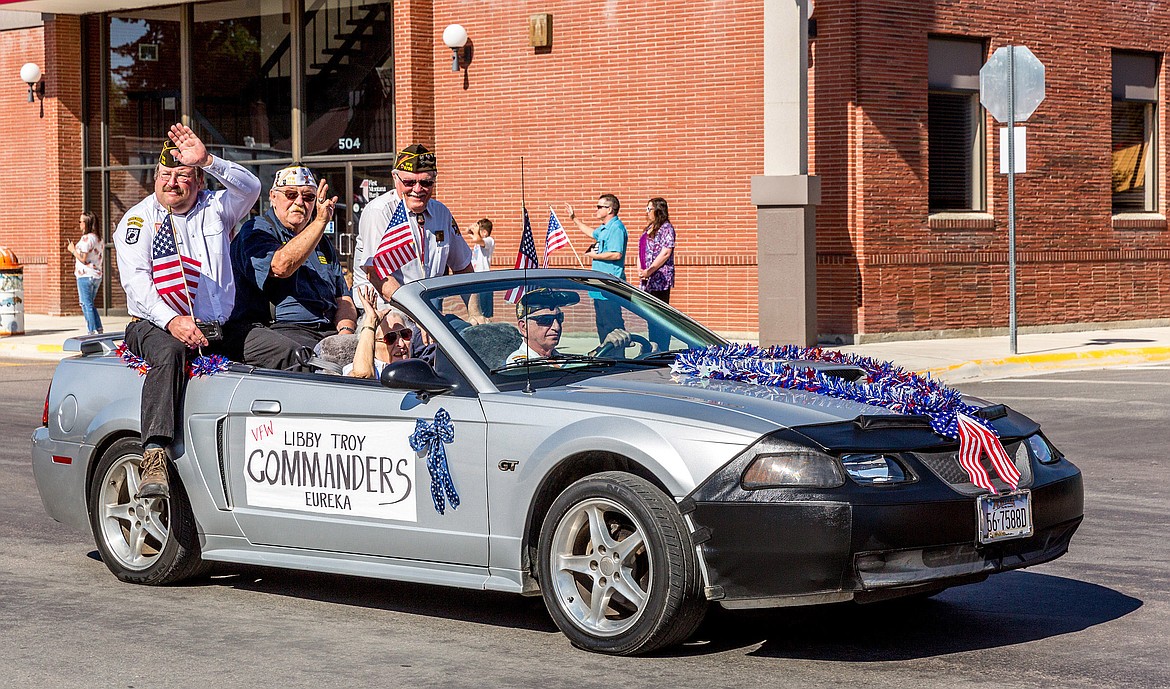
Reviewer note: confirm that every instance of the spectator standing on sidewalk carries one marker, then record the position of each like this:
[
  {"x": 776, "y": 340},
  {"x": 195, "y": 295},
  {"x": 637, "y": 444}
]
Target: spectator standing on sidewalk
[
  {"x": 479, "y": 238},
  {"x": 87, "y": 268},
  {"x": 608, "y": 255},
  {"x": 656, "y": 261},
  {"x": 174, "y": 263}
]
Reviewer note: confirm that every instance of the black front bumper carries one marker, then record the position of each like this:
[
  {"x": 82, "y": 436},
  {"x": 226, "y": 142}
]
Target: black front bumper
[{"x": 783, "y": 547}]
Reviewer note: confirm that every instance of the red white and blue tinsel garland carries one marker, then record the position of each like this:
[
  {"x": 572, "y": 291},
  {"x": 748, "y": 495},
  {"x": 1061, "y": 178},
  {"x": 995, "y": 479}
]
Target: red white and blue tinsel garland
[
  {"x": 206, "y": 365},
  {"x": 885, "y": 385}
]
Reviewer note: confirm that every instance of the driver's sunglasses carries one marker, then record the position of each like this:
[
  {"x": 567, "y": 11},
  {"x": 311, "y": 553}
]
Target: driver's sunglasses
[
  {"x": 292, "y": 194},
  {"x": 392, "y": 336},
  {"x": 546, "y": 320}
]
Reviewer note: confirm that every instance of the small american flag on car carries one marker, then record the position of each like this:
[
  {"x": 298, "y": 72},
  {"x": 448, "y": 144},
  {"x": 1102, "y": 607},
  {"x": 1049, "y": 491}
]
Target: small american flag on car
[
  {"x": 397, "y": 246},
  {"x": 176, "y": 277},
  {"x": 525, "y": 259},
  {"x": 974, "y": 440}
]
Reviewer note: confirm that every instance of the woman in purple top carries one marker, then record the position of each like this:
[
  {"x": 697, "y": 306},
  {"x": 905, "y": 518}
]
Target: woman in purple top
[{"x": 656, "y": 261}]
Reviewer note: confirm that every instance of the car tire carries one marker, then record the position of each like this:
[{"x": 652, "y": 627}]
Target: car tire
[
  {"x": 618, "y": 571},
  {"x": 150, "y": 541}
]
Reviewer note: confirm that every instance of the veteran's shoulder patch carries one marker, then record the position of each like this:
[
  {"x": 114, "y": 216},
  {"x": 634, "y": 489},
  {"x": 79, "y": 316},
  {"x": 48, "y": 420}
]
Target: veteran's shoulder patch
[
  {"x": 134, "y": 221},
  {"x": 132, "y": 233}
]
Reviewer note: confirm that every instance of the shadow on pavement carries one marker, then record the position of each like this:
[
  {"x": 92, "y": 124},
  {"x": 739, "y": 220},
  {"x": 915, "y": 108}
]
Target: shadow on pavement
[
  {"x": 1008, "y": 609},
  {"x": 1102, "y": 341},
  {"x": 483, "y": 607}
]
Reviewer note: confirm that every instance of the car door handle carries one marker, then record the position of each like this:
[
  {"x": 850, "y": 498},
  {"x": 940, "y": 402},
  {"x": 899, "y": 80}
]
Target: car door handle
[{"x": 265, "y": 407}]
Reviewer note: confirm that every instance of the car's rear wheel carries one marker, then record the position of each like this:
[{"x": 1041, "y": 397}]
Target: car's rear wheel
[
  {"x": 143, "y": 541},
  {"x": 618, "y": 571}
]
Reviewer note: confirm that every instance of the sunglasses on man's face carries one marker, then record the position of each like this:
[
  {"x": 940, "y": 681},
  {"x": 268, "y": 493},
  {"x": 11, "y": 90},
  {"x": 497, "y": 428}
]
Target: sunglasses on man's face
[
  {"x": 392, "y": 336},
  {"x": 546, "y": 320},
  {"x": 424, "y": 182},
  {"x": 600, "y": 206},
  {"x": 291, "y": 195}
]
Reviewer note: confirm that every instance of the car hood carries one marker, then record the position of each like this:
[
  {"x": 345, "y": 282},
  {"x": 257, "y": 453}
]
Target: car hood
[{"x": 750, "y": 407}]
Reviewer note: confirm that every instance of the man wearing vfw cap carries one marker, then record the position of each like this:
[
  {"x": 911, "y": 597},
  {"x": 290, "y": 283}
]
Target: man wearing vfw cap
[
  {"x": 292, "y": 293},
  {"x": 184, "y": 220},
  {"x": 439, "y": 244}
]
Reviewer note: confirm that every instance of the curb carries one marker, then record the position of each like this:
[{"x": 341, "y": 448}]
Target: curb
[{"x": 1022, "y": 365}]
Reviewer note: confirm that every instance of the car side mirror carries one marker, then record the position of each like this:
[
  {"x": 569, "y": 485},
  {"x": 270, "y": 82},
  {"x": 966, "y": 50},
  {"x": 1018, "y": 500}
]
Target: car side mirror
[{"x": 415, "y": 375}]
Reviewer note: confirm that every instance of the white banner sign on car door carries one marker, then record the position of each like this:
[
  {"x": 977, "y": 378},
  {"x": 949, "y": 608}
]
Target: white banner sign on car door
[{"x": 331, "y": 467}]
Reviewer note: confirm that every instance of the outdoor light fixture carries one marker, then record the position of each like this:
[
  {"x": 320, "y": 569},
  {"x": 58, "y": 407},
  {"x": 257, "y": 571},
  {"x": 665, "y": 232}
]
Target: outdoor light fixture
[
  {"x": 30, "y": 74},
  {"x": 455, "y": 36}
]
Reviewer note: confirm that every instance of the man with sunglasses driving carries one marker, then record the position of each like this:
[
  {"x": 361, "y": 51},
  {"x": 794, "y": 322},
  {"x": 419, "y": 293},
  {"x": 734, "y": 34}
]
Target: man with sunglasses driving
[
  {"x": 291, "y": 292},
  {"x": 541, "y": 321}
]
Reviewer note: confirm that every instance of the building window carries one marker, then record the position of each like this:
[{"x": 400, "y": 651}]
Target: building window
[
  {"x": 349, "y": 78},
  {"x": 143, "y": 94},
  {"x": 1135, "y": 130},
  {"x": 955, "y": 126}
]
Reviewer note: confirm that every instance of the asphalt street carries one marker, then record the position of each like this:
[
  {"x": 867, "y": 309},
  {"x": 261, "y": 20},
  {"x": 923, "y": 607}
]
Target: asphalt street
[{"x": 1099, "y": 617}]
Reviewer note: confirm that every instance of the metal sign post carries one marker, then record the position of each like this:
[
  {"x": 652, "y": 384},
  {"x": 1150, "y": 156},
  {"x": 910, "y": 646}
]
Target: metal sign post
[{"x": 1011, "y": 86}]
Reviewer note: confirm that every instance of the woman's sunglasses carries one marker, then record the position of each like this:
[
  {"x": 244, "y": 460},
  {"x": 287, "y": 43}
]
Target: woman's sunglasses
[{"x": 391, "y": 337}]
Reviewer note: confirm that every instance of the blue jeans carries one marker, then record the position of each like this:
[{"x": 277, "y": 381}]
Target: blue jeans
[{"x": 86, "y": 292}]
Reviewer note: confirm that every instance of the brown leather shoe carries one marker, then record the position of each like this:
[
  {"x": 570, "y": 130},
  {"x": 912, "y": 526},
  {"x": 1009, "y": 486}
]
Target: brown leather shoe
[{"x": 154, "y": 482}]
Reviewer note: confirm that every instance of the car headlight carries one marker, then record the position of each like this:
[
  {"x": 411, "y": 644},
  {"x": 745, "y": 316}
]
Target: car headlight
[
  {"x": 780, "y": 464},
  {"x": 874, "y": 469},
  {"x": 1042, "y": 450}
]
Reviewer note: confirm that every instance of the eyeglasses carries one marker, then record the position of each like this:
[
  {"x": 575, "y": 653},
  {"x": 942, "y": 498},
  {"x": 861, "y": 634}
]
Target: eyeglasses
[
  {"x": 292, "y": 195},
  {"x": 600, "y": 206},
  {"x": 546, "y": 320},
  {"x": 424, "y": 182},
  {"x": 184, "y": 177},
  {"x": 391, "y": 337}
]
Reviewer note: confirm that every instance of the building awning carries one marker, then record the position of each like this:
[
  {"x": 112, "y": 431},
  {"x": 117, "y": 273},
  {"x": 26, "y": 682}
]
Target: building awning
[{"x": 76, "y": 6}]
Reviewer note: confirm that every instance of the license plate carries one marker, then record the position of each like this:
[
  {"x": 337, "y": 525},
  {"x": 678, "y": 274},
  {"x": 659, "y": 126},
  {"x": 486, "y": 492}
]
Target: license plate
[{"x": 1004, "y": 517}]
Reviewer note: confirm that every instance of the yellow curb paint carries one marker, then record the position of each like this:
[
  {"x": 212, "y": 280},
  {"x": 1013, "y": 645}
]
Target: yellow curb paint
[
  {"x": 49, "y": 348},
  {"x": 1092, "y": 358}
]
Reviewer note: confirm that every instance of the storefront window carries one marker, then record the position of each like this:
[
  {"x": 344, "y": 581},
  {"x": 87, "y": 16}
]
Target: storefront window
[
  {"x": 144, "y": 80},
  {"x": 242, "y": 81},
  {"x": 348, "y": 78}
]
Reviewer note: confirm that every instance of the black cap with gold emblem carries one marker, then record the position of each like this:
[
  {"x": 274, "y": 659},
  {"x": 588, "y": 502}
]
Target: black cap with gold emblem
[
  {"x": 415, "y": 158},
  {"x": 168, "y": 158}
]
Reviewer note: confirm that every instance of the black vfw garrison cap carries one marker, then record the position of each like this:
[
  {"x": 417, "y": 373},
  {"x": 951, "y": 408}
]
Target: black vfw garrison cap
[
  {"x": 416, "y": 158},
  {"x": 167, "y": 157}
]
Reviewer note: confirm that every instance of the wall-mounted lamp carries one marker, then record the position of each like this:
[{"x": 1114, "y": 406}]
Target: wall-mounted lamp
[
  {"x": 30, "y": 74},
  {"x": 455, "y": 36}
]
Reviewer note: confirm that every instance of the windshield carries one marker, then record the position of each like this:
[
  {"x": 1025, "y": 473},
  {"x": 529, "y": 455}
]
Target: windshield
[{"x": 558, "y": 325}]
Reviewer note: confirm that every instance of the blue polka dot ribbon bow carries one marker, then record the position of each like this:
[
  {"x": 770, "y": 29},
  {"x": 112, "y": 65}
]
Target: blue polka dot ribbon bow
[{"x": 429, "y": 438}]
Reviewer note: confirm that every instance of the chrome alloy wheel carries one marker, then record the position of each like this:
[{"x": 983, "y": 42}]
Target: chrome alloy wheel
[
  {"x": 601, "y": 567},
  {"x": 135, "y": 531}
]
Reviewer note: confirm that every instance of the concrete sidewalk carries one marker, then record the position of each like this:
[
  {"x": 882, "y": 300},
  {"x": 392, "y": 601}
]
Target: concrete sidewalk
[{"x": 951, "y": 360}]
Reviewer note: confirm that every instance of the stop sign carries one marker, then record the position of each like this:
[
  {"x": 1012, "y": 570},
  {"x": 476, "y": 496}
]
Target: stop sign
[{"x": 1028, "y": 80}]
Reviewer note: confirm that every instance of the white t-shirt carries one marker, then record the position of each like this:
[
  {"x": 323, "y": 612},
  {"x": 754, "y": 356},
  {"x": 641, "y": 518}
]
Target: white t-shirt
[
  {"x": 481, "y": 256},
  {"x": 92, "y": 266}
]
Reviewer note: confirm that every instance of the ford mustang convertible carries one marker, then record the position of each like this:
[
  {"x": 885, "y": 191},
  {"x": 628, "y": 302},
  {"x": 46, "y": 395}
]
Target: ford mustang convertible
[{"x": 588, "y": 444}]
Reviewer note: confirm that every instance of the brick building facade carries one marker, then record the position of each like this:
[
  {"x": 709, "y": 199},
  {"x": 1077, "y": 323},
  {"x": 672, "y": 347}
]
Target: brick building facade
[{"x": 664, "y": 99}]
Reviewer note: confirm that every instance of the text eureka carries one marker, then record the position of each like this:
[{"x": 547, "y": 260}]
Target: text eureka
[{"x": 326, "y": 474}]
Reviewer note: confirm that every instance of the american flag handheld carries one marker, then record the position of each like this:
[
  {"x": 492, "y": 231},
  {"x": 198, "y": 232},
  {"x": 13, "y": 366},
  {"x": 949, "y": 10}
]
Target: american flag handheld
[
  {"x": 176, "y": 277},
  {"x": 397, "y": 246},
  {"x": 556, "y": 238}
]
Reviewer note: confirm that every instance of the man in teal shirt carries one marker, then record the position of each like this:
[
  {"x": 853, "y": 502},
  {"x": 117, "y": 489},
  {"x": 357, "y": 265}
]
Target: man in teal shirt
[{"x": 608, "y": 255}]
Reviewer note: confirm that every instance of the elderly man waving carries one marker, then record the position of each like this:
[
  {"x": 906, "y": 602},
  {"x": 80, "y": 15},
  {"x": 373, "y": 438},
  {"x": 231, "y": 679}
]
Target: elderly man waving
[
  {"x": 292, "y": 293},
  {"x": 172, "y": 250}
]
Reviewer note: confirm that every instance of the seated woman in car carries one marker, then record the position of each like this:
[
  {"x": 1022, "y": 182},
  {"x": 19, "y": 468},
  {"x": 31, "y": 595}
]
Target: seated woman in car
[{"x": 383, "y": 336}]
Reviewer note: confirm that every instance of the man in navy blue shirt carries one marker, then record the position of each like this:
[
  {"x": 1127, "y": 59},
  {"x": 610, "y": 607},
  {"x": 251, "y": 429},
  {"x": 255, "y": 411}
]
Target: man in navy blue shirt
[{"x": 290, "y": 290}]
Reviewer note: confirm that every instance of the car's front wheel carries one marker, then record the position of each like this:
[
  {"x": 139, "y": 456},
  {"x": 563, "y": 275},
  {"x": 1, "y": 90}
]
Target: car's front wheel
[
  {"x": 618, "y": 571},
  {"x": 142, "y": 540}
]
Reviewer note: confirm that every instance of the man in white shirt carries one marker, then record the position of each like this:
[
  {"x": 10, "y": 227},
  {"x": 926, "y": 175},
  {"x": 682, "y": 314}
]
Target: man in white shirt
[
  {"x": 170, "y": 314},
  {"x": 540, "y": 321},
  {"x": 440, "y": 246}
]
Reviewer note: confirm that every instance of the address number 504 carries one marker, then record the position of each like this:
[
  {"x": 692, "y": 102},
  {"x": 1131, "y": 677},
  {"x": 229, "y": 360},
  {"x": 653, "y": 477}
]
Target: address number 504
[{"x": 349, "y": 144}]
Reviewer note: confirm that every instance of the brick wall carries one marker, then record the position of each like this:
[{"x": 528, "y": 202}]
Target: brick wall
[
  {"x": 883, "y": 268},
  {"x": 638, "y": 99}
]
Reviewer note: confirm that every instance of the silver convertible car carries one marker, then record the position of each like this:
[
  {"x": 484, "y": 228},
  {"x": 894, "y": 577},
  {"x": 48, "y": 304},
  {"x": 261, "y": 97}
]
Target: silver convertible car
[{"x": 589, "y": 444}]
